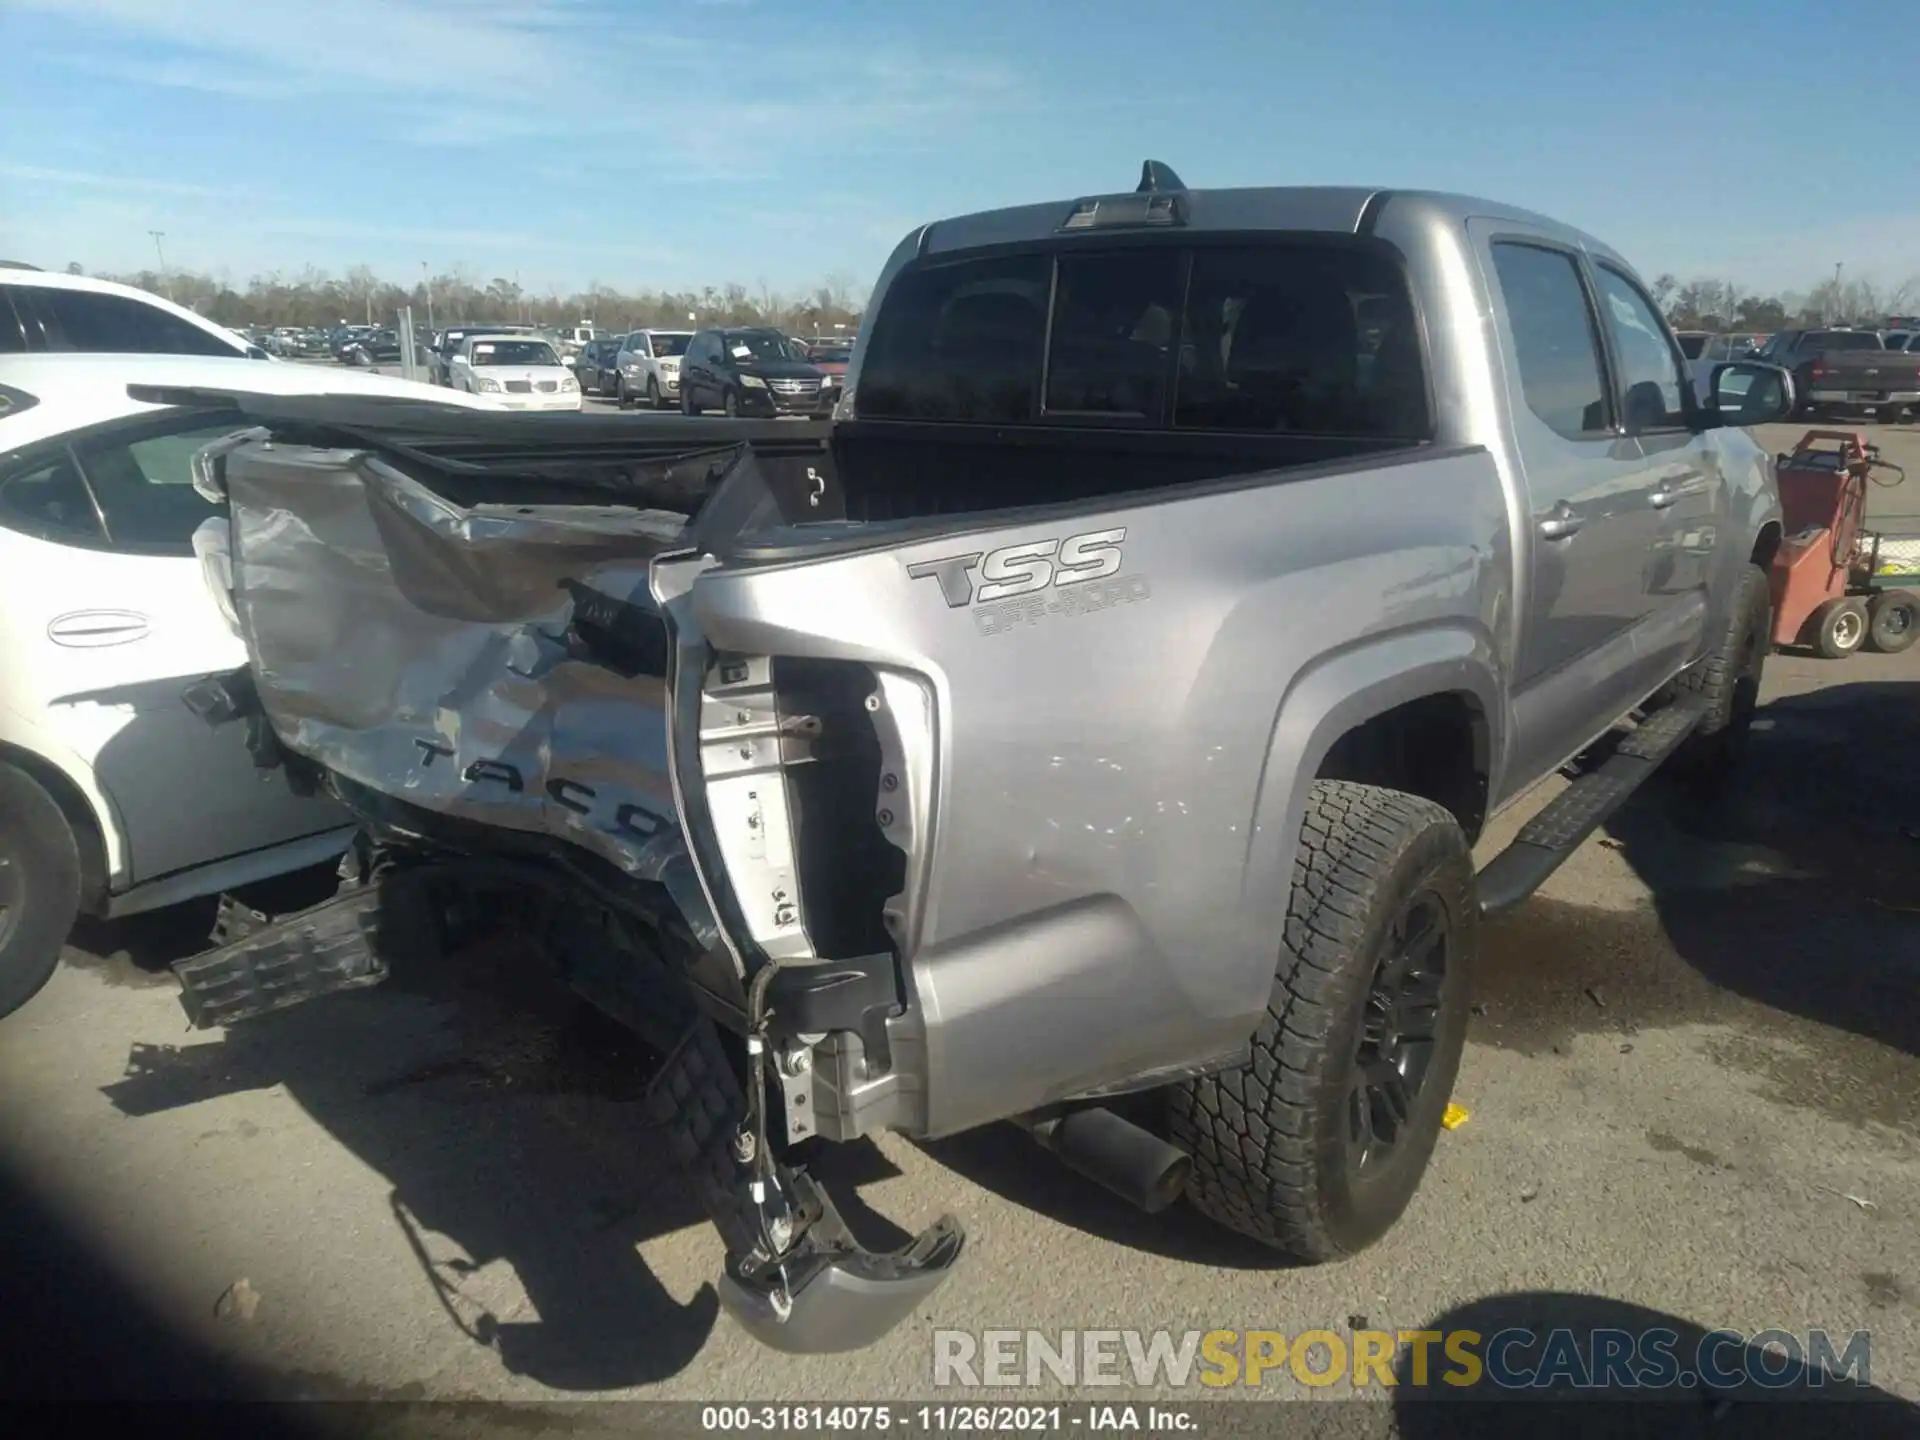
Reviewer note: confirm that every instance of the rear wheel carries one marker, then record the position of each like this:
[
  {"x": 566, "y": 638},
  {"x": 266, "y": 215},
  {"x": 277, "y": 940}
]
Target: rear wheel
[
  {"x": 39, "y": 887},
  {"x": 1893, "y": 621},
  {"x": 687, "y": 407},
  {"x": 1840, "y": 628},
  {"x": 1317, "y": 1145}
]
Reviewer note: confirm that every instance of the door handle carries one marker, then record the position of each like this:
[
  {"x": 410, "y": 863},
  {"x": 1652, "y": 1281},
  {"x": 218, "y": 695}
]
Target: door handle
[
  {"x": 94, "y": 629},
  {"x": 1561, "y": 523}
]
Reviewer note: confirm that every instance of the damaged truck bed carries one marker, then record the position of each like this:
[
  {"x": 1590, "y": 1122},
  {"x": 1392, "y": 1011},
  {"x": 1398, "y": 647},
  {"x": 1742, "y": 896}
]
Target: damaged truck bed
[{"x": 1103, "y": 706}]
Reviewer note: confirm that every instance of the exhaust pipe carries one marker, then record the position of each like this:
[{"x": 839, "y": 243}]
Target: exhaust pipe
[{"x": 1139, "y": 1167}]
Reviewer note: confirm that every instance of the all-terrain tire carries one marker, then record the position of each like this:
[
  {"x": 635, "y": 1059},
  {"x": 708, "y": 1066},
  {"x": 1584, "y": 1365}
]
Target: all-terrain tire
[
  {"x": 1727, "y": 680},
  {"x": 1273, "y": 1141},
  {"x": 40, "y": 890}
]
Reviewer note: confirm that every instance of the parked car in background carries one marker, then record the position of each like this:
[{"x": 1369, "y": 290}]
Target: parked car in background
[
  {"x": 114, "y": 797},
  {"x": 1693, "y": 343},
  {"x": 1846, "y": 372},
  {"x": 831, "y": 360},
  {"x": 447, "y": 343},
  {"x": 44, "y": 312},
  {"x": 377, "y": 347},
  {"x": 570, "y": 340},
  {"x": 1718, "y": 350},
  {"x": 521, "y": 372},
  {"x": 831, "y": 357},
  {"x": 597, "y": 367},
  {"x": 751, "y": 371},
  {"x": 649, "y": 366}
]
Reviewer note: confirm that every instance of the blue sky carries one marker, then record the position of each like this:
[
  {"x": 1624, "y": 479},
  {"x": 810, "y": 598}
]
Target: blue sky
[{"x": 645, "y": 144}]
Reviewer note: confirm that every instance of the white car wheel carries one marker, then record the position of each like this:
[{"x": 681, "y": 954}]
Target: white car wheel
[{"x": 39, "y": 887}]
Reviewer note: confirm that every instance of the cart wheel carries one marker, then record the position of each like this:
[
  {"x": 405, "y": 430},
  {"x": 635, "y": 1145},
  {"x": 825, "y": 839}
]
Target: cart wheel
[
  {"x": 1839, "y": 628},
  {"x": 1893, "y": 618}
]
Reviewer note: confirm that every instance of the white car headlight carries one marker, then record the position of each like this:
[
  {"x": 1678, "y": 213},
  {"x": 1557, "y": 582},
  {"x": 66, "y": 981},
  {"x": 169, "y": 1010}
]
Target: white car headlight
[
  {"x": 569, "y": 383},
  {"x": 753, "y": 382},
  {"x": 486, "y": 383}
]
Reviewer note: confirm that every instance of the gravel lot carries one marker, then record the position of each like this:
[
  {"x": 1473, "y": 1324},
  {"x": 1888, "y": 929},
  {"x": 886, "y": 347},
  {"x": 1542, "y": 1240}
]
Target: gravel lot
[{"x": 1694, "y": 1089}]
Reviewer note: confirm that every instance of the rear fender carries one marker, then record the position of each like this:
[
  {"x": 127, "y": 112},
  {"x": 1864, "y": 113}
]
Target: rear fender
[{"x": 1331, "y": 697}]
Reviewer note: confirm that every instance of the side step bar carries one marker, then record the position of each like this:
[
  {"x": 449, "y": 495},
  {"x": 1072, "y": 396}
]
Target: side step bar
[{"x": 1546, "y": 840}]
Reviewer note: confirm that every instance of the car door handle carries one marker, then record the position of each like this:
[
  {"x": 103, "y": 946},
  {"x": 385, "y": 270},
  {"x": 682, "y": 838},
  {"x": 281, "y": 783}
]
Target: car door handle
[
  {"x": 94, "y": 629},
  {"x": 1560, "y": 523}
]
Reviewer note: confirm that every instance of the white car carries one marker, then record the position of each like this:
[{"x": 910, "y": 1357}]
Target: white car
[
  {"x": 516, "y": 372},
  {"x": 649, "y": 365},
  {"x": 114, "y": 797},
  {"x": 43, "y": 312}
]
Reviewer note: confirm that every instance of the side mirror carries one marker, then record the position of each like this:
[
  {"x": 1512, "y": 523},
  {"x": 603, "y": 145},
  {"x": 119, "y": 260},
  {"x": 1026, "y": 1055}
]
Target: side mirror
[{"x": 1747, "y": 392}]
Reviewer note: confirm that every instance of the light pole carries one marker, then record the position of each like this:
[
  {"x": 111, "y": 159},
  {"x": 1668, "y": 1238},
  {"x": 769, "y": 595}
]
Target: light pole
[
  {"x": 1834, "y": 312},
  {"x": 166, "y": 280},
  {"x": 427, "y": 283}
]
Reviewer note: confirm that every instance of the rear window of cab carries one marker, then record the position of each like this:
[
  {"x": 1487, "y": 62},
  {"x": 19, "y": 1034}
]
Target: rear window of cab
[{"x": 1308, "y": 337}]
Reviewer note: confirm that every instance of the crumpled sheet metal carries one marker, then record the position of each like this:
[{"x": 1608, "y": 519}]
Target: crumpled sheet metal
[{"x": 417, "y": 648}]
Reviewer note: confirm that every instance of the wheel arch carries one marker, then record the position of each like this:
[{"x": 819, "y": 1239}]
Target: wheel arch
[
  {"x": 101, "y": 845},
  {"x": 1379, "y": 690}
]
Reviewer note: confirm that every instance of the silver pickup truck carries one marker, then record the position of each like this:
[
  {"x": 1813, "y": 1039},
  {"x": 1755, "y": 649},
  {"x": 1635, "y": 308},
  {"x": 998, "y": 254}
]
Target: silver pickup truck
[{"x": 1089, "y": 728}]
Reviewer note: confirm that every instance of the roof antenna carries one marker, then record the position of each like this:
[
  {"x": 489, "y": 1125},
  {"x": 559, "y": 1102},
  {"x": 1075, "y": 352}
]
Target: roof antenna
[{"x": 1156, "y": 176}]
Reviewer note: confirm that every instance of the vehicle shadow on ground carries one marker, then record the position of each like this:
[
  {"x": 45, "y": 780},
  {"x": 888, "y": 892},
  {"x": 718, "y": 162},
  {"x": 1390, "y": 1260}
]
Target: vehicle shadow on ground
[
  {"x": 137, "y": 950},
  {"x": 509, "y": 1117},
  {"x": 1792, "y": 898},
  {"x": 1748, "y": 1389},
  {"x": 1008, "y": 1162}
]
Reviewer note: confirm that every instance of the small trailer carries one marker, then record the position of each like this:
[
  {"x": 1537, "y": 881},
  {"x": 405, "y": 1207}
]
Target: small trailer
[{"x": 1838, "y": 586}]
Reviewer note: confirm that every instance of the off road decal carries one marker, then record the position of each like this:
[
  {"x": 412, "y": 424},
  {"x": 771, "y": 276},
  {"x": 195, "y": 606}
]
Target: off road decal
[{"x": 1032, "y": 609}]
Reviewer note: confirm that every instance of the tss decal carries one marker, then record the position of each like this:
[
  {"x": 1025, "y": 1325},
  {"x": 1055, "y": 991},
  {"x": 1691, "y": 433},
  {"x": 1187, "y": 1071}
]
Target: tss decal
[{"x": 1021, "y": 569}]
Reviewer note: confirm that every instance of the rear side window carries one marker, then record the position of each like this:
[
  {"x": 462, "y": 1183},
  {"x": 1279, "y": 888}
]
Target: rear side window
[
  {"x": 84, "y": 320},
  {"x": 1287, "y": 337},
  {"x": 50, "y": 500},
  {"x": 13, "y": 333},
  {"x": 1825, "y": 340},
  {"x": 1556, "y": 347}
]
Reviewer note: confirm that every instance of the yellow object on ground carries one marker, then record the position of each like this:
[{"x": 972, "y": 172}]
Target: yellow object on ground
[{"x": 1454, "y": 1118}]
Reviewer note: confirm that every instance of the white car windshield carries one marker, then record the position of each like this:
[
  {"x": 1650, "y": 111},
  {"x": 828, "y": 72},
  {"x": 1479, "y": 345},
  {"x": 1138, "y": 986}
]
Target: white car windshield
[{"x": 514, "y": 352}]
